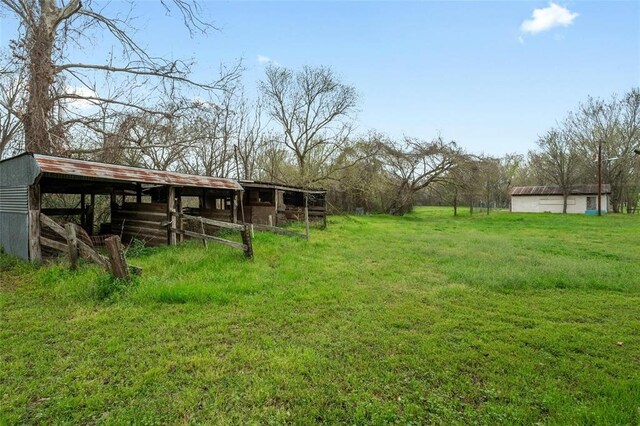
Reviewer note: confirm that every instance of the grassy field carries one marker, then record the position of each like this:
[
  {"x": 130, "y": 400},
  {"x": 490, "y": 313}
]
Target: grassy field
[{"x": 421, "y": 319}]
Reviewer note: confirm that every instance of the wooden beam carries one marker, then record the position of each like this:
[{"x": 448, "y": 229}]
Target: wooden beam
[
  {"x": 180, "y": 219},
  {"x": 171, "y": 216},
  {"x": 83, "y": 213},
  {"x": 216, "y": 239},
  {"x": 91, "y": 254},
  {"x": 91, "y": 214},
  {"x": 85, "y": 250},
  {"x": 276, "y": 195},
  {"x": 204, "y": 240},
  {"x": 306, "y": 214},
  {"x": 234, "y": 207},
  {"x": 62, "y": 212},
  {"x": 53, "y": 244},
  {"x": 35, "y": 253},
  {"x": 72, "y": 245},
  {"x": 213, "y": 222},
  {"x": 119, "y": 267},
  {"x": 47, "y": 221}
]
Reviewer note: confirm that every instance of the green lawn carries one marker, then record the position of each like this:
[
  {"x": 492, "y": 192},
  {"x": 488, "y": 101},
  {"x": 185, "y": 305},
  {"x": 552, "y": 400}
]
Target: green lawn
[{"x": 421, "y": 319}]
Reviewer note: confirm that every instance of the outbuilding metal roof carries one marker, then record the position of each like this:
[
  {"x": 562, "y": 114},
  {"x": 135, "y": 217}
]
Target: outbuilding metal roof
[
  {"x": 101, "y": 171},
  {"x": 279, "y": 186},
  {"x": 556, "y": 190}
]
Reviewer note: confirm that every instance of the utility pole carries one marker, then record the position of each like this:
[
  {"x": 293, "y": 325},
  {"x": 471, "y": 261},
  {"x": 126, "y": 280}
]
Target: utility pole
[{"x": 600, "y": 177}]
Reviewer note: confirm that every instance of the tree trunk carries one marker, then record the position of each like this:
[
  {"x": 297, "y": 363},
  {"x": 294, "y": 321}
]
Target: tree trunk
[
  {"x": 455, "y": 204},
  {"x": 37, "y": 119},
  {"x": 565, "y": 196}
]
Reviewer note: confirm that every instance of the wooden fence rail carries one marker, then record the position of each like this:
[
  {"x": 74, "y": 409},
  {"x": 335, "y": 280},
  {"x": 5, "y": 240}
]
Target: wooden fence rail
[
  {"x": 85, "y": 250},
  {"x": 116, "y": 263},
  {"x": 205, "y": 237},
  {"x": 213, "y": 222},
  {"x": 245, "y": 246}
]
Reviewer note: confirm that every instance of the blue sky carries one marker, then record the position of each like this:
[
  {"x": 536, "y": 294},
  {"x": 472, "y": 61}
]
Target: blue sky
[{"x": 465, "y": 70}]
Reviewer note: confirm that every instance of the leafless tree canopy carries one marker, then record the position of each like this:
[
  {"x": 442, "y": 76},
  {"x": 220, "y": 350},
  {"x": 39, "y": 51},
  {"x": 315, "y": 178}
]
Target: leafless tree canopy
[
  {"x": 557, "y": 162},
  {"x": 413, "y": 164},
  {"x": 47, "y": 27},
  {"x": 568, "y": 154},
  {"x": 314, "y": 111}
]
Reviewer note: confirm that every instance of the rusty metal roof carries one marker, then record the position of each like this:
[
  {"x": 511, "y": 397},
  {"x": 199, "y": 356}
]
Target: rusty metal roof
[
  {"x": 556, "y": 190},
  {"x": 103, "y": 171},
  {"x": 280, "y": 186}
]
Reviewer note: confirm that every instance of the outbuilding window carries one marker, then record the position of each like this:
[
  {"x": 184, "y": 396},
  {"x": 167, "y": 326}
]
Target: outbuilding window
[{"x": 591, "y": 203}]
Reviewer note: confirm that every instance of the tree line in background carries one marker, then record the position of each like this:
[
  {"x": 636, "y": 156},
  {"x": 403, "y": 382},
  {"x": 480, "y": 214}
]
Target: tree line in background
[{"x": 144, "y": 111}]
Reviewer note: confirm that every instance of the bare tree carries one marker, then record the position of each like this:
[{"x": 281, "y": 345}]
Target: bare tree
[
  {"x": 413, "y": 164},
  {"x": 616, "y": 125},
  {"x": 46, "y": 26},
  {"x": 557, "y": 162},
  {"x": 211, "y": 128},
  {"x": 314, "y": 110},
  {"x": 250, "y": 140},
  {"x": 11, "y": 102}
]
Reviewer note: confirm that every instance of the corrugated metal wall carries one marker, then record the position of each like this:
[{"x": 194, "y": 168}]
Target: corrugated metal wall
[
  {"x": 14, "y": 220},
  {"x": 16, "y": 175}
]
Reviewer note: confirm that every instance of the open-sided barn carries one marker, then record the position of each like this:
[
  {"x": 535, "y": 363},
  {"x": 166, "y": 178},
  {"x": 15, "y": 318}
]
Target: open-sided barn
[
  {"x": 143, "y": 204},
  {"x": 274, "y": 204},
  {"x": 582, "y": 199}
]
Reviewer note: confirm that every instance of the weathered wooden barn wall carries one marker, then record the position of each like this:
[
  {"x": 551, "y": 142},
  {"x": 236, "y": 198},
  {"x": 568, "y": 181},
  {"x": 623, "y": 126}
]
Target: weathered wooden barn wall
[
  {"x": 268, "y": 204},
  {"x": 143, "y": 221},
  {"x": 261, "y": 215}
]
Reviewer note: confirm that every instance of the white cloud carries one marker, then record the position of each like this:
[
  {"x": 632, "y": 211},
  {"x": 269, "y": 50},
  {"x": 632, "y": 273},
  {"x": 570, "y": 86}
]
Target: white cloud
[
  {"x": 265, "y": 60},
  {"x": 547, "y": 18},
  {"x": 81, "y": 91}
]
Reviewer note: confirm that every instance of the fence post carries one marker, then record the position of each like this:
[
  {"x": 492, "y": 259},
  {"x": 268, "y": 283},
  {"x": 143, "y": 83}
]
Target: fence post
[
  {"x": 204, "y": 240},
  {"x": 72, "y": 243},
  {"x": 34, "y": 201},
  {"x": 306, "y": 214},
  {"x": 119, "y": 267}
]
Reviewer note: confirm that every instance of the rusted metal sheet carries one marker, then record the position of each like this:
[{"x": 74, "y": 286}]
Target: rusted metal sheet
[
  {"x": 255, "y": 184},
  {"x": 93, "y": 170},
  {"x": 556, "y": 190}
]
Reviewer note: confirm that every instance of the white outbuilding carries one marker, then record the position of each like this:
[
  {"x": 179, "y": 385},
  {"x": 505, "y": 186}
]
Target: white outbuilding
[{"x": 583, "y": 199}]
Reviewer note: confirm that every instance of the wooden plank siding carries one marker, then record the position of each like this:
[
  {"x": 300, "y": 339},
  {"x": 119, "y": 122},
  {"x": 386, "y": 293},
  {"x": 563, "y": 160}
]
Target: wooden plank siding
[{"x": 143, "y": 221}]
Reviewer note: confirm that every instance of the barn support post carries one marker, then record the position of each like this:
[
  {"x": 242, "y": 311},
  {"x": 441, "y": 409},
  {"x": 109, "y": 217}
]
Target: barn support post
[
  {"x": 237, "y": 196},
  {"x": 171, "y": 216},
  {"x": 306, "y": 214},
  {"x": 180, "y": 224},
  {"x": 234, "y": 207},
  {"x": 324, "y": 211},
  {"x": 35, "y": 253},
  {"x": 276, "y": 195},
  {"x": 91, "y": 214},
  {"x": 83, "y": 211},
  {"x": 138, "y": 193}
]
